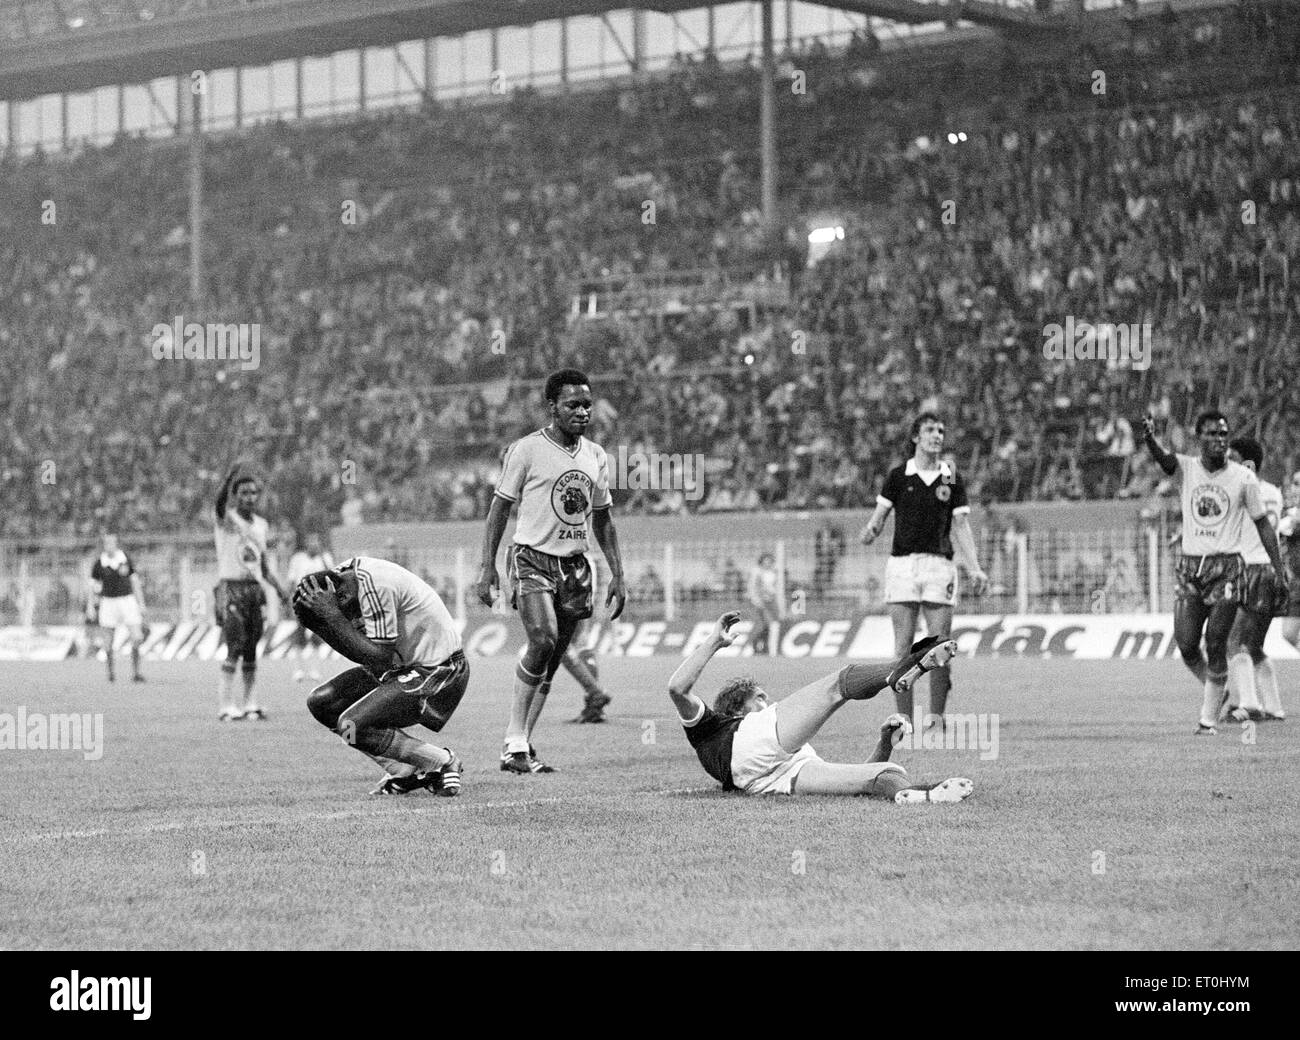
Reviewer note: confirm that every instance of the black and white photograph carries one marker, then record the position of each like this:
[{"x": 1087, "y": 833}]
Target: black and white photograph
[{"x": 568, "y": 475}]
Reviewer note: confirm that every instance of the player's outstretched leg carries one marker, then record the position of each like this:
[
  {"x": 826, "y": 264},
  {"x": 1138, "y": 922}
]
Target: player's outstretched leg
[
  {"x": 1217, "y": 627},
  {"x": 938, "y": 622},
  {"x": 902, "y": 617},
  {"x": 537, "y": 611}
]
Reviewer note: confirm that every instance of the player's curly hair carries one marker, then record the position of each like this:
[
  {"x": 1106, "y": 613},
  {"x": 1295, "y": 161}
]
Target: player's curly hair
[
  {"x": 1250, "y": 450},
  {"x": 1209, "y": 415},
  {"x": 557, "y": 381},
  {"x": 732, "y": 697}
]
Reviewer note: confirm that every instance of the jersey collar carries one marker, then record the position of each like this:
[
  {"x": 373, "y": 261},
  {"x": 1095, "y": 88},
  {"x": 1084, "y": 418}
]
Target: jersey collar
[
  {"x": 572, "y": 454},
  {"x": 913, "y": 470}
]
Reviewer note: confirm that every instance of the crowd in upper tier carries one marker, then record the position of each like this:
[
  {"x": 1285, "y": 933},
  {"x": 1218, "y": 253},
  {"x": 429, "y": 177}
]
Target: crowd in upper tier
[{"x": 414, "y": 275}]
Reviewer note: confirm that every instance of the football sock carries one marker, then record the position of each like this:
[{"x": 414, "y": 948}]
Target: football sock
[
  {"x": 108, "y": 657},
  {"x": 535, "y": 707},
  {"x": 861, "y": 682},
  {"x": 250, "y": 678},
  {"x": 940, "y": 687},
  {"x": 1266, "y": 683},
  {"x": 517, "y": 731},
  {"x": 135, "y": 658},
  {"x": 576, "y": 664},
  {"x": 888, "y": 783},
  {"x": 1215, "y": 685},
  {"x": 1241, "y": 680},
  {"x": 226, "y": 685},
  {"x": 394, "y": 744}
]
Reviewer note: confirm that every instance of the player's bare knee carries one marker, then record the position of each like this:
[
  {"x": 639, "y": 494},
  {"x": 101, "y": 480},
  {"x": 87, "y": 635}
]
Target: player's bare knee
[{"x": 320, "y": 702}]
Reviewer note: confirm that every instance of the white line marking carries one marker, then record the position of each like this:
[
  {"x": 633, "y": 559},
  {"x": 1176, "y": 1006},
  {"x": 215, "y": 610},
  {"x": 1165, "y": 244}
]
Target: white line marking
[{"x": 372, "y": 812}]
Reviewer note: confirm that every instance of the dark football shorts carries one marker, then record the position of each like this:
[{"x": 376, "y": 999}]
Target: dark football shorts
[
  {"x": 1209, "y": 579},
  {"x": 435, "y": 690},
  {"x": 239, "y": 613},
  {"x": 567, "y": 579},
  {"x": 1261, "y": 592}
]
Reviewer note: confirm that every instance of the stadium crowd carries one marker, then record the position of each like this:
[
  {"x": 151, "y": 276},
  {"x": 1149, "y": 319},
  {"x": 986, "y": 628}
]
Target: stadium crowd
[{"x": 414, "y": 274}]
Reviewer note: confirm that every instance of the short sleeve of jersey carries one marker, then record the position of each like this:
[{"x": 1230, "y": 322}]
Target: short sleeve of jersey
[
  {"x": 600, "y": 497},
  {"x": 378, "y": 608},
  {"x": 893, "y": 488},
  {"x": 513, "y": 473},
  {"x": 960, "y": 503},
  {"x": 1251, "y": 498}
]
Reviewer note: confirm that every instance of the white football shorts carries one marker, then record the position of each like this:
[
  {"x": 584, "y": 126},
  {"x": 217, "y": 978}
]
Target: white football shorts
[{"x": 921, "y": 578}]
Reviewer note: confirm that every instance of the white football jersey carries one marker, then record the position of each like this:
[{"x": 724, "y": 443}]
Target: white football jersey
[
  {"x": 241, "y": 546},
  {"x": 556, "y": 488},
  {"x": 400, "y": 607},
  {"x": 1217, "y": 507},
  {"x": 1253, "y": 549}
]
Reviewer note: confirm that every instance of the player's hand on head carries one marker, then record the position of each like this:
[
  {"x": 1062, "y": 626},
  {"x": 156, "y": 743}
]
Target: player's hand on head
[
  {"x": 315, "y": 597},
  {"x": 616, "y": 593},
  {"x": 724, "y": 629},
  {"x": 1149, "y": 425}
]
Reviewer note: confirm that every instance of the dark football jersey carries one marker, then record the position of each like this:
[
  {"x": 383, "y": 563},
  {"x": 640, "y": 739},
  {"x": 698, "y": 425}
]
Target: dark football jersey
[
  {"x": 711, "y": 737},
  {"x": 923, "y": 512},
  {"x": 113, "y": 575}
]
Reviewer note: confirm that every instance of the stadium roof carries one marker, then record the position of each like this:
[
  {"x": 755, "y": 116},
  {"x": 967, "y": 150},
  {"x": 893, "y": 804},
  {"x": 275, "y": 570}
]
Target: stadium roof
[{"x": 65, "y": 46}]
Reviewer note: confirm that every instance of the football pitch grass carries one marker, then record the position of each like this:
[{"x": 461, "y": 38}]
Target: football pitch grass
[{"x": 1103, "y": 823}]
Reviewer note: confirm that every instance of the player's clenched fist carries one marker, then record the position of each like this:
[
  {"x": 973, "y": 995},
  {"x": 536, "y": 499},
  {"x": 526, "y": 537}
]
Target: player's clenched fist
[{"x": 486, "y": 585}]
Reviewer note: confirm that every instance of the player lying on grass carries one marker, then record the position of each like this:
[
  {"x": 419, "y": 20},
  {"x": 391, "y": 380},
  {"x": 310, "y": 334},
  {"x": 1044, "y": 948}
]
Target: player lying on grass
[
  {"x": 750, "y": 744},
  {"x": 411, "y": 669}
]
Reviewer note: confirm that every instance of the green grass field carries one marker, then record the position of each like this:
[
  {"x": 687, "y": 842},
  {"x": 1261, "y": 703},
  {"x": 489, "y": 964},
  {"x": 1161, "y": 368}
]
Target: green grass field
[{"x": 191, "y": 834}]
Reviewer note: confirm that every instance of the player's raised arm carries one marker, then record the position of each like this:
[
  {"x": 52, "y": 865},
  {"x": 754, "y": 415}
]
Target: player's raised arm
[
  {"x": 317, "y": 608},
  {"x": 1166, "y": 460},
  {"x": 602, "y": 524},
  {"x": 689, "y": 671}
]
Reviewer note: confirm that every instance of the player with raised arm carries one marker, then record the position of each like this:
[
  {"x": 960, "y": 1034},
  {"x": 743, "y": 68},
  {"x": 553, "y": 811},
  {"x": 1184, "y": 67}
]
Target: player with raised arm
[
  {"x": 932, "y": 517},
  {"x": 1219, "y": 498},
  {"x": 117, "y": 601},
  {"x": 242, "y": 566},
  {"x": 748, "y": 743},
  {"x": 1251, "y": 679},
  {"x": 410, "y": 669},
  {"x": 561, "y": 482}
]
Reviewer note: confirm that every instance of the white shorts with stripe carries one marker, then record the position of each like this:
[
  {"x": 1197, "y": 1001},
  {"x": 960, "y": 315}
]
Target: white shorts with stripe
[
  {"x": 921, "y": 578},
  {"x": 759, "y": 765},
  {"x": 120, "y": 612}
]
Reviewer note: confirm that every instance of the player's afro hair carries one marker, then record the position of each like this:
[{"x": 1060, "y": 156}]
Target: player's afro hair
[
  {"x": 732, "y": 697},
  {"x": 1250, "y": 450},
  {"x": 557, "y": 381},
  {"x": 1209, "y": 415}
]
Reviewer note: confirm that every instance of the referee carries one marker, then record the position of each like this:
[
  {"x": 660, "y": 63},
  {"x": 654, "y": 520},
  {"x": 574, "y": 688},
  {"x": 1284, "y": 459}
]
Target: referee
[
  {"x": 933, "y": 516},
  {"x": 117, "y": 601}
]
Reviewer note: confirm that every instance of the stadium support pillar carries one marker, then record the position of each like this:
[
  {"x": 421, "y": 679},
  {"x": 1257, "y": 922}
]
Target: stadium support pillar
[
  {"x": 63, "y": 141},
  {"x": 462, "y": 579},
  {"x": 713, "y": 31},
  {"x": 12, "y": 125},
  {"x": 121, "y": 109},
  {"x": 638, "y": 44},
  {"x": 767, "y": 109},
  {"x": 1153, "y": 570},
  {"x": 361, "y": 79},
  {"x": 1022, "y": 574},
  {"x": 239, "y": 97},
  {"x": 430, "y": 69},
  {"x": 196, "y": 199},
  {"x": 297, "y": 89},
  {"x": 564, "y": 53},
  {"x": 670, "y": 581}
]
